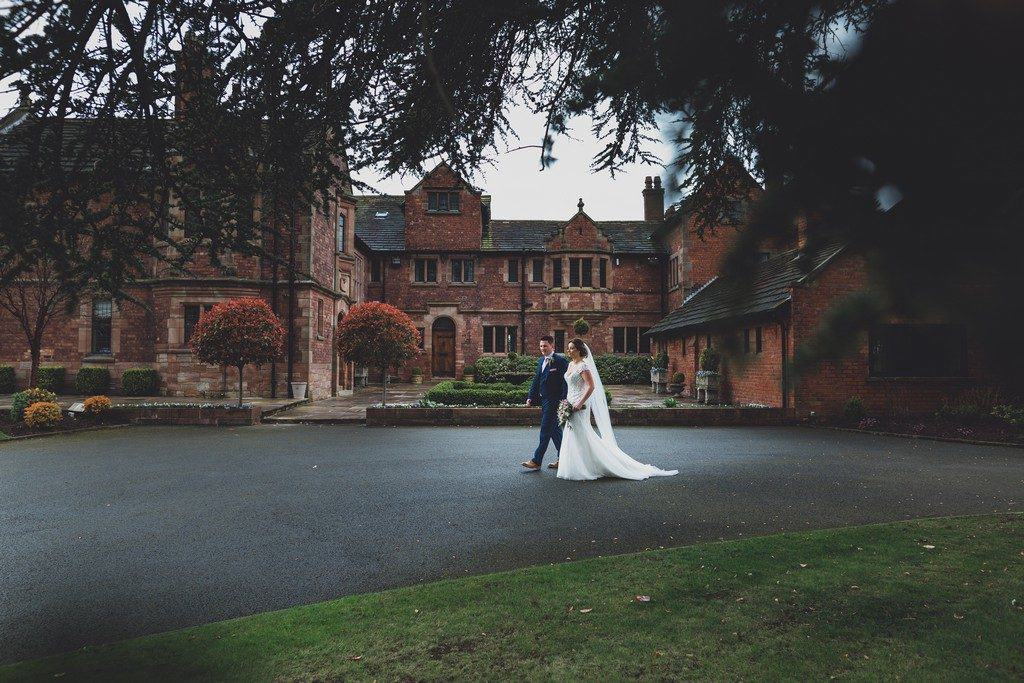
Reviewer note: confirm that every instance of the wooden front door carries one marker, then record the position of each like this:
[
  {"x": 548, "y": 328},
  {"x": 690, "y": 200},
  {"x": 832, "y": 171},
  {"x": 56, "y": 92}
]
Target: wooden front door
[{"x": 443, "y": 348}]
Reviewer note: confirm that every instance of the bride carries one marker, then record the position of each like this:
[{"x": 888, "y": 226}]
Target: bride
[{"x": 585, "y": 454}]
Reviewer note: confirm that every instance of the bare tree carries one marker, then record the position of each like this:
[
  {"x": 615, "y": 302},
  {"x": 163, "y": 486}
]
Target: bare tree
[{"x": 35, "y": 298}]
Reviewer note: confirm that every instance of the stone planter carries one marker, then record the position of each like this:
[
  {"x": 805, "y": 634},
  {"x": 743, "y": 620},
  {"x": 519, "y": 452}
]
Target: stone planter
[
  {"x": 417, "y": 379},
  {"x": 707, "y": 387},
  {"x": 468, "y": 379},
  {"x": 659, "y": 380},
  {"x": 298, "y": 389}
]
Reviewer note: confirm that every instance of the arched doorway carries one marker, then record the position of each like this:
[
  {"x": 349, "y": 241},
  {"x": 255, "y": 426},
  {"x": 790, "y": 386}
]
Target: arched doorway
[{"x": 442, "y": 353}]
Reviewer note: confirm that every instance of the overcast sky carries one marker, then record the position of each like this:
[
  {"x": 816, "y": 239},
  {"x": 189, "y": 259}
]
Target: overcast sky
[{"x": 518, "y": 187}]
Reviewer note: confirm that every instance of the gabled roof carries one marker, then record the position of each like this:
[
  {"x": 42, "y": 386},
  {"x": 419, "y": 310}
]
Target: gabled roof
[
  {"x": 380, "y": 221},
  {"x": 725, "y": 298}
]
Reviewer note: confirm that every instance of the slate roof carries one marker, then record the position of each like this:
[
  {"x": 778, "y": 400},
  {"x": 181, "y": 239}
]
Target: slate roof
[
  {"x": 627, "y": 237},
  {"x": 381, "y": 233},
  {"x": 76, "y": 132},
  {"x": 387, "y": 233},
  {"x": 724, "y": 298}
]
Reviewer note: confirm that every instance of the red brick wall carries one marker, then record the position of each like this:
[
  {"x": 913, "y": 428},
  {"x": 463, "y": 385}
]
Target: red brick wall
[
  {"x": 827, "y": 388},
  {"x": 443, "y": 231}
]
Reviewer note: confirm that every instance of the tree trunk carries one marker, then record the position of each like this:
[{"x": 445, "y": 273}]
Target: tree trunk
[
  {"x": 240, "y": 367},
  {"x": 384, "y": 386},
  {"x": 33, "y": 371}
]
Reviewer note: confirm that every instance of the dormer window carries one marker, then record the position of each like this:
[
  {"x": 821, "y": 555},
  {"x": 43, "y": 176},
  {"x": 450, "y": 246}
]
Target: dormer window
[{"x": 442, "y": 202}]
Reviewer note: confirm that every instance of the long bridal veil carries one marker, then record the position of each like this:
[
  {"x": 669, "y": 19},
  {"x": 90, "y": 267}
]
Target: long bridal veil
[{"x": 599, "y": 402}]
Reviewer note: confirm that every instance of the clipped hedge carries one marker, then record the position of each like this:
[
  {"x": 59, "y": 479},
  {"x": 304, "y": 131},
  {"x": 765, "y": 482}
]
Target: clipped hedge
[
  {"x": 8, "y": 381},
  {"x": 488, "y": 368},
  {"x": 92, "y": 381},
  {"x": 51, "y": 379},
  {"x": 631, "y": 369},
  {"x": 453, "y": 393},
  {"x": 23, "y": 399},
  {"x": 140, "y": 382}
]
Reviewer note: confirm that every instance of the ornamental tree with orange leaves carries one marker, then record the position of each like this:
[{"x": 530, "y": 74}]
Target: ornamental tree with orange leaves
[
  {"x": 238, "y": 332},
  {"x": 377, "y": 335}
]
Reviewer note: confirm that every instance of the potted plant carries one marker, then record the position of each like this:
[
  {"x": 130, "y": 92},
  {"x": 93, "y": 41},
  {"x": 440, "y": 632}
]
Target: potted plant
[
  {"x": 676, "y": 385},
  {"x": 581, "y": 327},
  {"x": 469, "y": 374},
  {"x": 659, "y": 372},
  {"x": 417, "y": 376},
  {"x": 708, "y": 379}
]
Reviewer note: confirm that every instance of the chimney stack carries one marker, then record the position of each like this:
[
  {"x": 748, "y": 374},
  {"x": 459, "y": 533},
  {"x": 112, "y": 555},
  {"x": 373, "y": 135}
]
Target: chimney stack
[
  {"x": 654, "y": 199},
  {"x": 190, "y": 70}
]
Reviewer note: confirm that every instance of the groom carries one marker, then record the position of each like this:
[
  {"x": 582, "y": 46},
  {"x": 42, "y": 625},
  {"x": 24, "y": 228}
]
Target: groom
[{"x": 548, "y": 389}]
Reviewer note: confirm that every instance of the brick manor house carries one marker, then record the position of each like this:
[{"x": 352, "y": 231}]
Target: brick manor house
[{"x": 478, "y": 286}]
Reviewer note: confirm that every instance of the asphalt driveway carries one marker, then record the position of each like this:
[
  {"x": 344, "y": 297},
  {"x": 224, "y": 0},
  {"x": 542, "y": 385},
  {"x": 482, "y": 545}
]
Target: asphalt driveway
[{"x": 113, "y": 534}]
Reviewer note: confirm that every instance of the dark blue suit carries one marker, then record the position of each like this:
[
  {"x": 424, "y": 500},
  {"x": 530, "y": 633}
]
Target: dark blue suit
[{"x": 548, "y": 390}]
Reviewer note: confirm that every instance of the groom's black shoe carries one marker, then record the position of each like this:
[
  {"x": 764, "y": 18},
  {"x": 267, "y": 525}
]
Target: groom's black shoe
[{"x": 531, "y": 465}]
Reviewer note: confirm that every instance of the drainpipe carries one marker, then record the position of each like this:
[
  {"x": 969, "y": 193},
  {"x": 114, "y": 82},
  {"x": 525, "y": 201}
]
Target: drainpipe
[
  {"x": 784, "y": 339},
  {"x": 663, "y": 267},
  {"x": 522, "y": 303}
]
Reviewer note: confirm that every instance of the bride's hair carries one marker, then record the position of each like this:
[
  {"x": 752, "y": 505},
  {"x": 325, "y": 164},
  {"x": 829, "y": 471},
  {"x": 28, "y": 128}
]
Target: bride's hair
[{"x": 581, "y": 346}]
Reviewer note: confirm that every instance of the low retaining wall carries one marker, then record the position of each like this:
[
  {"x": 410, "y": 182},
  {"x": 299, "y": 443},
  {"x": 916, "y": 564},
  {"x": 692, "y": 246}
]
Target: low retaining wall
[
  {"x": 229, "y": 416},
  {"x": 621, "y": 417}
]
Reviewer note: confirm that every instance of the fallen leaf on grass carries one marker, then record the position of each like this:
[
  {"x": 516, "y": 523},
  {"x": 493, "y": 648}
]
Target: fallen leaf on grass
[
  {"x": 802, "y": 565},
  {"x": 928, "y": 547},
  {"x": 642, "y": 598},
  {"x": 586, "y": 610},
  {"x": 958, "y": 617},
  {"x": 354, "y": 658}
]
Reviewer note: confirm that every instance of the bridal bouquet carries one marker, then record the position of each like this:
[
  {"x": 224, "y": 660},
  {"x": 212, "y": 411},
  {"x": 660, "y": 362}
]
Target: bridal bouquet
[{"x": 565, "y": 411}]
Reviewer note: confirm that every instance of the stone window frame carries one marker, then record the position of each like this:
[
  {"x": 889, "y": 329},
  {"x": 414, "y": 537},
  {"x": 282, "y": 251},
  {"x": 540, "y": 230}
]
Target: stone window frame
[
  {"x": 449, "y": 194},
  {"x": 463, "y": 281},
  {"x": 509, "y": 270},
  {"x": 427, "y": 260},
  {"x": 673, "y": 273},
  {"x": 534, "y": 261},
  {"x": 641, "y": 340},
  {"x": 488, "y": 333},
  {"x": 203, "y": 308},
  {"x": 109, "y": 318}
]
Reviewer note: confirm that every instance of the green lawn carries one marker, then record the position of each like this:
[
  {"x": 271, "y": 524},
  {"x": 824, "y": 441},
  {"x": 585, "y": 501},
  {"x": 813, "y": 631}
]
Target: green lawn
[{"x": 941, "y": 598}]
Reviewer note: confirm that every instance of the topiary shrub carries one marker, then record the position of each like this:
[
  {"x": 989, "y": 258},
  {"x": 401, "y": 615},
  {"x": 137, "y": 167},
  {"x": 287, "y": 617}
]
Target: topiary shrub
[
  {"x": 853, "y": 410},
  {"x": 417, "y": 372},
  {"x": 91, "y": 381},
  {"x": 96, "y": 405},
  {"x": 581, "y": 327},
  {"x": 23, "y": 399},
  {"x": 42, "y": 415},
  {"x": 51, "y": 379},
  {"x": 678, "y": 378},
  {"x": 140, "y": 382},
  {"x": 8, "y": 380}
]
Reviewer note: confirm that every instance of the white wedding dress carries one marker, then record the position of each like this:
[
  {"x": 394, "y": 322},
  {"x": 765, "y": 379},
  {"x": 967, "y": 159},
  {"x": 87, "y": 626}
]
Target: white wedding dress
[{"x": 585, "y": 454}]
